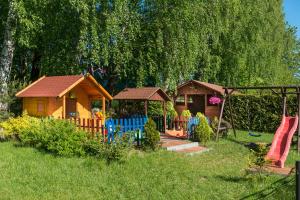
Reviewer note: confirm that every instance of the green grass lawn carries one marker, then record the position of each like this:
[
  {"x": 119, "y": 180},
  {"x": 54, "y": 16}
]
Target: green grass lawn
[{"x": 26, "y": 173}]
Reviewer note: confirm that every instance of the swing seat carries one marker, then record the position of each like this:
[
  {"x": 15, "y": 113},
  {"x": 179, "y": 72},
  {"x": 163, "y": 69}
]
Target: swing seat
[{"x": 254, "y": 134}]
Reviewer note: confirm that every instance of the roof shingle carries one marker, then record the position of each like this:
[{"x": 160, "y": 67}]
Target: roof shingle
[
  {"x": 49, "y": 86},
  {"x": 144, "y": 93}
]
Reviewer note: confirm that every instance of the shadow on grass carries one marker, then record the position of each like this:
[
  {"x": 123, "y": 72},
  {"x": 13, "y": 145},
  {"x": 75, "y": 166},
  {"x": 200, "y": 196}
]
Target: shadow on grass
[
  {"x": 278, "y": 187},
  {"x": 249, "y": 145},
  {"x": 237, "y": 141},
  {"x": 233, "y": 179}
]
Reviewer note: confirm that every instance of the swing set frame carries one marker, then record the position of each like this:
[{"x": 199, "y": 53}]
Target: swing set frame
[{"x": 281, "y": 91}]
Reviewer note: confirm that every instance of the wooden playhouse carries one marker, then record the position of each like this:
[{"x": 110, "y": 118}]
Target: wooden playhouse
[
  {"x": 194, "y": 96},
  {"x": 63, "y": 96}
]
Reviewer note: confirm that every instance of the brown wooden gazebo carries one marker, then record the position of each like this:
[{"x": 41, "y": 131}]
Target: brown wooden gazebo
[{"x": 144, "y": 94}]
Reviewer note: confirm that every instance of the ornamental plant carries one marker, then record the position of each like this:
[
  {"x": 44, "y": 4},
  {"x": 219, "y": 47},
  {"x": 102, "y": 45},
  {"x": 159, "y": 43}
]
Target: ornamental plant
[
  {"x": 215, "y": 100},
  {"x": 152, "y": 136},
  {"x": 171, "y": 110},
  {"x": 186, "y": 114},
  {"x": 203, "y": 131}
]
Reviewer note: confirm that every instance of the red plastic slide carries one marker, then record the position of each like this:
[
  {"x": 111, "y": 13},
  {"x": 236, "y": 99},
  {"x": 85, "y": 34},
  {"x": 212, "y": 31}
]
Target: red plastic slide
[{"x": 282, "y": 140}]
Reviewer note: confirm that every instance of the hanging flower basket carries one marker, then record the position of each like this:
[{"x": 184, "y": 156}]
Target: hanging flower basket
[{"x": 215, "y": 100}]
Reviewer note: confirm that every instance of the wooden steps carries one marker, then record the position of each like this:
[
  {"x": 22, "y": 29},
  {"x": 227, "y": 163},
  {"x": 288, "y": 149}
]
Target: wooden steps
[{"x": 181, "y": 146}]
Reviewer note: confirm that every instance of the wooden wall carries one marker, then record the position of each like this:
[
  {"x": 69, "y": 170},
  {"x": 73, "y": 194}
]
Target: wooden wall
[
  {"x": 36, "y": 106},
  {"x": 192, "y": 89},
  {"x": 53, "y": 106},
  {"x": 83, "y": 105}
]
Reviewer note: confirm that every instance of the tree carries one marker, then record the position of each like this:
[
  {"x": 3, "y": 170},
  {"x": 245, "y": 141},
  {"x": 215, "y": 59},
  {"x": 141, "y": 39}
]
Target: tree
[{"x": 7, "y": 52}]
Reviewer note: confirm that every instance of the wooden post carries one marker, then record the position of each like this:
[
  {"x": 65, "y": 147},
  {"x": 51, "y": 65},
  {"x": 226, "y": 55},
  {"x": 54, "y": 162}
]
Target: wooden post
[
  {"x": 220, "y": 117},
  {"x": 165, "y": 116},
  {"x": 231, "y": 113},
  {"x": 103, "y": 107},
  {"x": 146, "y": 107},
  {"x": 64, "y": 107},
  {"x": 297, "y": 180},
  {"x": 284, "y": 102}
]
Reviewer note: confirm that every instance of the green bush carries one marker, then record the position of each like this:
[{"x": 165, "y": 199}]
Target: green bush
[
  {"x": 171, "y": 110},
  {"x": 152, "y": 136},
  {"x": 56, "y": 136},
  {"x": 186, "y": 113},
  {"x": 94, "y": 147},
  {"x": 117, "y": 150},
  {"x": 16, "y": 126},
  {"x": 258, "y": 156},
  {"x": 63, "y": 138},
  {"x": 264, "y": 111},
  {"x": 155, "y": 108},
  {"x": 214, "y": 125},
  {"x": 203, "y": 131}
]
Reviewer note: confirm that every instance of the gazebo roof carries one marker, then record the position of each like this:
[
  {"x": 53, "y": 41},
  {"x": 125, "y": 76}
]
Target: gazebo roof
[{"x": 144, "y": 93}]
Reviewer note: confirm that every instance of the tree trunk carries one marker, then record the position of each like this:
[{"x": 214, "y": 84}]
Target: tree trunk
[
  {"x": 35, "y": 70},
  {"x": 7, "y": 54}
]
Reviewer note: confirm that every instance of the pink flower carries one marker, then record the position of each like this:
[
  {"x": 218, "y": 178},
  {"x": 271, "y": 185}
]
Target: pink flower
[{"x": 215, "y": 100}]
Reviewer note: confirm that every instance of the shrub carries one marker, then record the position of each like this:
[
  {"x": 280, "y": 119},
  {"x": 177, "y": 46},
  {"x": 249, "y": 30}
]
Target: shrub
[
  {"x": 155, "y": 109},
  {"x": 258, "y": 154},
  {"x": 117, "y": 150},
  {"x": 203, "y": 131},
  {"x": 16, "y": 126},
  {"x": 214, "y": 125},
  {"x": 94, "y": 147},
  {"x": 186, "y": 113},
  {"x": 152, "y": 136},
  {"x": 171, "y": 110},
  {"x": 62, "y": 138}
]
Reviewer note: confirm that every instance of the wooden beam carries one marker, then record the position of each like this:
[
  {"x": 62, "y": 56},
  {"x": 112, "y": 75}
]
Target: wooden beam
[
  {"x": 263, "y": 87},
  {"x": 284, "y": 102},
  {"x": 165, "y": 116},
  {"x": 146, "y": 107},
  {"x": 220, "y": 117},
  {"x": 103, "y": 107},
  {"x": 64, "y": 107},
  {"x": 185, "y": 100},
  {"x": 231, "y": 112}
]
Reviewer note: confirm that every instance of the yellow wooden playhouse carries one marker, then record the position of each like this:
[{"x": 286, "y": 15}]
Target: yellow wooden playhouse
[{"x": 63, "y": 96}]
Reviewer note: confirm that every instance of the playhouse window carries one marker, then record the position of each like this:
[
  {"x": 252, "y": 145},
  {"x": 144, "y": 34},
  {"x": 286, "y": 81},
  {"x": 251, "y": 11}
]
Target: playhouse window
[
  {"x": 40, "y": 106},
  {"x": 190, "y": 99},
  {"x": 180, "y": 100}
]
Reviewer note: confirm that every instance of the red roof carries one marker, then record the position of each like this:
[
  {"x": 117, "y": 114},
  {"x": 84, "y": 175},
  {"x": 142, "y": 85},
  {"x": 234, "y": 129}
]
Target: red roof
[
  {"x": 56, "y": 86},
  {"x": 144, "y": 93}
]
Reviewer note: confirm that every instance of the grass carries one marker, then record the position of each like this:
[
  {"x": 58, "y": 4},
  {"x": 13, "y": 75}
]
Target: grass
[{"x": 218, "y": 174}]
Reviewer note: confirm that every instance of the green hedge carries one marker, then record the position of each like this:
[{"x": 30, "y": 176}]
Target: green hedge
[{"x": 265, "y": 111}]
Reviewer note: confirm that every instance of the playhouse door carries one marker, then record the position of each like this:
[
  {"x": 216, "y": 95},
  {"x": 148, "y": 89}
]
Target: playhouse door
[
  {"x": 196, "y": 103},
  {"x": 71, "y": 108}
]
